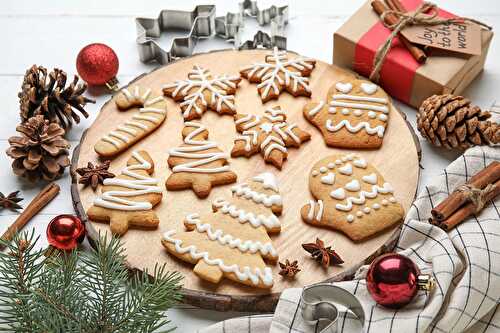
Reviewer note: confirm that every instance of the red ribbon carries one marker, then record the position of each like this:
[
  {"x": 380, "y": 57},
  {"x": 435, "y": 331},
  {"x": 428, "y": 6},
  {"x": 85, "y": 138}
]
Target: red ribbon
[{"x": 399, "y": 68}]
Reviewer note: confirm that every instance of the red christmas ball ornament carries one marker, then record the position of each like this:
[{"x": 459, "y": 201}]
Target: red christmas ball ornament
[
  {"x": 393, "y": 280},
  {"x": 64, "y": 232},
  {"x": 97, "y": 64}
]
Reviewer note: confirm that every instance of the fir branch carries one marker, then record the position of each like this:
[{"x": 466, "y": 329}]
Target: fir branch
[{"x": 81, "y": 291}]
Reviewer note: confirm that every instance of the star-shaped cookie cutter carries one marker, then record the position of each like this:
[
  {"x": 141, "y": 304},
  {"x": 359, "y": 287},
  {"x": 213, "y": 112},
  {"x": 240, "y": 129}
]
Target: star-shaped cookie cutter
[
  {"x": 199, "y": 23},
  {"x": 231, "y": 25}
]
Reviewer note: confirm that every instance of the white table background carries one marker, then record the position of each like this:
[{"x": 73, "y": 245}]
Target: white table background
[{"x": 51, "y": 33}]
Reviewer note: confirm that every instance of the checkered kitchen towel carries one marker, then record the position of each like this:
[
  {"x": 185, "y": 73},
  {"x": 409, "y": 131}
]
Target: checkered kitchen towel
[{"x": 465, "y": 263}]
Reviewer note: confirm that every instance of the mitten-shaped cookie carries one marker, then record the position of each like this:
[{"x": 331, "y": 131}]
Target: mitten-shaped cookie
[
  {"x": 198, "y": 163},
  {"x": 270, "y": 135},
  {"x": 278, "y": 73},
  {"x": 355, "y": 115},
  {"x": 233, "y": 241},
  {"x": 152, "y": 112},
  {"x": 202, "y": 91},
  {"x": 127, "y": 200},
  {"x": 351, "y": 196}
]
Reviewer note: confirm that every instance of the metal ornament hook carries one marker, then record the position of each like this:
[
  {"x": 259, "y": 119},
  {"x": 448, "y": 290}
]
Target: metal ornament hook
[{"x": 319, "y": 302}]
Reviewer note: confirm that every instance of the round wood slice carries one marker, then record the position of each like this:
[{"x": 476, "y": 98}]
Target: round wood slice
[{"x": 397, "y": 160}]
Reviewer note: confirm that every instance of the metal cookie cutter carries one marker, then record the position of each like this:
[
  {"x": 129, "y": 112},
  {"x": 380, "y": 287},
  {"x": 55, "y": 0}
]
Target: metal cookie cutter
[
  {"x": 231, "y": 25},
  {"x": 199, "y": 23},
  {"x": 319, "y": 302}
]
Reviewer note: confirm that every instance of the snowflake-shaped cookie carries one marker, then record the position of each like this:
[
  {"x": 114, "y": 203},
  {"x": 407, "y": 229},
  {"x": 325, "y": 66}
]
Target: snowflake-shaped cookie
[
  {"x": 270, "y": 135},
  {"x": 278, "y": 73},
  {"x": 202, "y": 91}
]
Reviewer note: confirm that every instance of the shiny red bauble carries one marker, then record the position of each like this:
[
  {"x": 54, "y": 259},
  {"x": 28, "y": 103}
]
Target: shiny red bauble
[
  {"x": 97, "y": 64},
  {"x": 392, "y": 280},
  {"x": 64, "y": 232}
]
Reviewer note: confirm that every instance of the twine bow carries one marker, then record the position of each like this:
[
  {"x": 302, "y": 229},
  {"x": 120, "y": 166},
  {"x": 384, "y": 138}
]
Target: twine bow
[
  {"x": 425, "y": 14},
  {"x": 475, "y": 195}
]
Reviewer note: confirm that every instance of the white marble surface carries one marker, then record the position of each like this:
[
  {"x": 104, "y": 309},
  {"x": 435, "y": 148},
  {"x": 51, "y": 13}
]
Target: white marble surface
[{"x": 50, "y": 33}]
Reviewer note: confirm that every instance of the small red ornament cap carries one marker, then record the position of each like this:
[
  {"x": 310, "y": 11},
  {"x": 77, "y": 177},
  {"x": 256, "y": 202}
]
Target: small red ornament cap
[
  {"x": 64, "y": 232},
  {"x": 393, "y": 280},
  {"x": 97, "y": 64}
]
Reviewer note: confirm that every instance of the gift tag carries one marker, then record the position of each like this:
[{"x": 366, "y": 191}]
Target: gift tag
[{"x": 456, "y": 37}]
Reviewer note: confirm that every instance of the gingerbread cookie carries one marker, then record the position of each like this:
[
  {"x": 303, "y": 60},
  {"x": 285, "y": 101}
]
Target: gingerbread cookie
[
  {"x": 352, "y": 197},
  {"x": 128, "y": 199},
  {"x": 151, "y": 114},
  {"x": 279, "y": 73},
  {"x": 355, "y": 115},
  {"x": 233, "y": 240},
  {"x": 202, "y": 91},
  {"x": 270, "y": 135},
  {"x": 198, "y": 163}
]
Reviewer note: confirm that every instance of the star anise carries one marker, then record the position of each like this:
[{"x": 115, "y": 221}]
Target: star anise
[
  {"x": 322, "y": 254},
  {"x": 289, "y": 269},
  {"x": 94, "y": 175},
  {"x": 10, "y": 201}
]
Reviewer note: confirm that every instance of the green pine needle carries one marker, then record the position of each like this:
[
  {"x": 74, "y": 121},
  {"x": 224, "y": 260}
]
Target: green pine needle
[{"x": 91, "y": 292}]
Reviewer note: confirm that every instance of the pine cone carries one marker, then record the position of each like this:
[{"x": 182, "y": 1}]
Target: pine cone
[
  {"x": 47, "y": 95},
  {"x": 40, "y": 152},
  {"x": 452, "y": 122}
]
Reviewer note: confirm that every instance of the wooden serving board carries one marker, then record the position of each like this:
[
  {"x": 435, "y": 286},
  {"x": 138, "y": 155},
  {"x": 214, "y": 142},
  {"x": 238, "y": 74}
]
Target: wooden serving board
[{"x": 397, "y": 160}]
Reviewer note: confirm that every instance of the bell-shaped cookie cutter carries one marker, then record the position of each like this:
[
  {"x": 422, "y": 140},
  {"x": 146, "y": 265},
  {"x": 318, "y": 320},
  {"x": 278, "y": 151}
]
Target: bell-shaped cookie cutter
[
  {"x": 320, "y": 302},
  {"x": 199, "y": 23}
]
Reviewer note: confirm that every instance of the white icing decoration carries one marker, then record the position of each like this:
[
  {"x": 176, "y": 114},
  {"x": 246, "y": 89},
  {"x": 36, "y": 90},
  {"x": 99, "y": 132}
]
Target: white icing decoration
[
  {"x": 233, "y": 242},
  {"x": 338, "y": 162},
  {"x": 358, "y": 113},
  {"x": 315, "y": 173},
  {"x": 346, "y": 169},
  {"x": 332, "y": 110},
  {"x": 353, "y": 186},
  {"x": 138, "y": 185},
  {"x": 323, "y": 169},
  {"x": 359, "y": 213},
  {"x": 360, "y": 163},
  {"x": 349, "y": 157},
  {"x": 370, "y": 179},
  {"x": 328, "y": 179},
  {"x": 366, "y": 210},
  {"x": 312, "y": 206},
  {"x": 344, "y": 159},
  {"x": 275, "y": 72},
  {"x": 343, "y": 87},
  {"x": 250, "y": 138},
  {"x": 269, "y": 222},
  {"x": 360, "y": 98},
  {"x": 316, "y": 109},
  {"x": 363, "y": 195},
  {"x": 338, "y": 194},
  {"x": 376, "y": 206},
  {"x": 372, "y": 115},
  {"x": 200, "y": 80},
  {"x": 345, "y": 111},
  {"x": 371, "y": 107},
  {"x": 379, "y": 130},
  {"x": 369, "y": 88},
  {"x": 246, "y": 273},
  {"x": 243, "y": 190},
  {"x": 392, "y": 199},
  {"x": 330, "y": 165},
  {"x": 350, "y": 218},
  {"x": 382, "y": 117},
  {"x": 267, "y": 127},
  {"x": 385, "y": 202},
  {"x": 199, "y": 159},
  {"x": 268, "y": 180}
]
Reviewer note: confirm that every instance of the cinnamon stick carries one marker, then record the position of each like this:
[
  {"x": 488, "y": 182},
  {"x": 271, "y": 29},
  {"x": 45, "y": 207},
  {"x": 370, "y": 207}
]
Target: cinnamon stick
[
  {"x": 396, "y": 5},
  {"x": 45, "y": 196},
  {"x": 391, "y": 19},
  {"x": 467, "y": 210},
  {"x": 447, "y": 207}
]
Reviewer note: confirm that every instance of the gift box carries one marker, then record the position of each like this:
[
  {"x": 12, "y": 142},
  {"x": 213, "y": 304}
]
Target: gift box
[{"x": 357, "y": 41}]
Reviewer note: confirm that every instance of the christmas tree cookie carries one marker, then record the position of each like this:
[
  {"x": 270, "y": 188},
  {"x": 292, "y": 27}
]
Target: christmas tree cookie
[
  {"x": 152, "y": 112},
  {"x": 270, "y": 135},
  {"x": 278, "y": 73},
  {"x": 198, "y": 163},
  {"x": 202, "y": 91},
  {"x": 233, "y": 241},
  {"x": 128, "y": 199},
  {"x": 351, "y": 196},
  {"x": 355, "y": 115}
]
